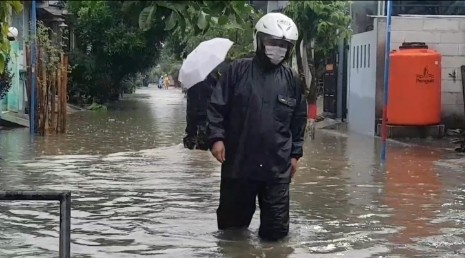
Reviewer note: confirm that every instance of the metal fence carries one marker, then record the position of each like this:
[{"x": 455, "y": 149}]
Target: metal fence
[{"x": 65, "y": 212}]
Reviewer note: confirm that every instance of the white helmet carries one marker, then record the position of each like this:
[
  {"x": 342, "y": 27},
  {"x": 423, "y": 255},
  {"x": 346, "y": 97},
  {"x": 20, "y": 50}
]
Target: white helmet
[{"x": 278, "y": 26}]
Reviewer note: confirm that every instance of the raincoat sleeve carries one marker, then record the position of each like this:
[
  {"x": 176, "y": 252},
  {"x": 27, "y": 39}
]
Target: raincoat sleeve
[
  {"x": 219, "y": 106},
  {"x": 299, "y": 120}
]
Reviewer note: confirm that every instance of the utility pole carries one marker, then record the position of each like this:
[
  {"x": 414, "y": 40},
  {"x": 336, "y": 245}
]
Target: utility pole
[{"x": 387, "y": 62}]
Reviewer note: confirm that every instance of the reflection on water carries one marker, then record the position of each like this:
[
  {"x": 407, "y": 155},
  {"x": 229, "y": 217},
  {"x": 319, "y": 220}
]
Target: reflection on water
[
  {"x": 412, "y": 189},
  {"x": 138, "y": 193}
]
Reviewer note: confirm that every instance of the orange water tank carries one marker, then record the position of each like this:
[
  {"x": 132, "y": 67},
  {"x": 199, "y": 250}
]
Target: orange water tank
[{"x": 414, "y": 86}]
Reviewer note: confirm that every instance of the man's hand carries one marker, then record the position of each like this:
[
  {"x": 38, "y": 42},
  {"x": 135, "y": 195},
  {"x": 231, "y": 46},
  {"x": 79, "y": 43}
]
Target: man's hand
[
  {"x": 294, "y": 166},
  {"x": 218, "y": 151}
]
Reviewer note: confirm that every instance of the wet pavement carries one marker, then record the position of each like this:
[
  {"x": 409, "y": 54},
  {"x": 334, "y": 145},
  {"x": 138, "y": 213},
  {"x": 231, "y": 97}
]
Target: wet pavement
[{"x": 138, "y": 193}]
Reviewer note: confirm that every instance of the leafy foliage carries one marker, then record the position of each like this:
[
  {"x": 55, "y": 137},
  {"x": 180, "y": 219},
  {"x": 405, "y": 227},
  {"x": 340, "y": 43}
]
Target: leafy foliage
[
  {"x": 324, "y": 22},
  {"x": 132, "y": 82},
  {"x": 191, "y": 22},
  {"x": 198, "y": 15},
  {"x": 50, "y": 51},
  {"x": 5, "y": 79},
  {"x": 321, "y": 24},
  {"x": 110, "y": 47},
  {"x": 169, "y": 63},
  {"x": 116, "y": 40},
  {"x": 241, "y": 36},
  {"x": 6, "y": 10}
]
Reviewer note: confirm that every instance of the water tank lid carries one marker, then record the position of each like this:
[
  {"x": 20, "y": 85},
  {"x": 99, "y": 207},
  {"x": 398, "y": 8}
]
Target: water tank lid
[{"x": 414, "y": 45}]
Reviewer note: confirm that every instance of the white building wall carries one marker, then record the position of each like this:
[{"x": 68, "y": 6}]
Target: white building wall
[{"x": 361, "y": 92}]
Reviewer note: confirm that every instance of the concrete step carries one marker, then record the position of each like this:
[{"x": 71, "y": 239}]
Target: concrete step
[{"x": 10, "y": 118}]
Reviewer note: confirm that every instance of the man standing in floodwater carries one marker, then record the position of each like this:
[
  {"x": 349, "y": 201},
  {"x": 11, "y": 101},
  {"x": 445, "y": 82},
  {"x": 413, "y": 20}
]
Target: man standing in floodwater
[{"x": 257, "y": 118}]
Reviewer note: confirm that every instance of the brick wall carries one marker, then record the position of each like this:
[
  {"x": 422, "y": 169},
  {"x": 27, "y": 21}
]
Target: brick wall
[{"x": 447, "y": 36}]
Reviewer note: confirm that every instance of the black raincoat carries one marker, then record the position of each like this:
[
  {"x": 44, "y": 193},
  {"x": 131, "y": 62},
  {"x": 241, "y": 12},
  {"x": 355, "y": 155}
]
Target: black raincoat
[
  {"x": 260, "y": 114},
  {"x": 198, "y": 97}
]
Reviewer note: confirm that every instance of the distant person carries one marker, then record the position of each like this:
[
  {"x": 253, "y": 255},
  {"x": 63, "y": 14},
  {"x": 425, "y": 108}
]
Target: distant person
[
  {"x": 256, "y": 123},
  {"x": 145, "y": 81},
  {"x": 166, "y": 81},
  {"x": 160, "y": 82}
]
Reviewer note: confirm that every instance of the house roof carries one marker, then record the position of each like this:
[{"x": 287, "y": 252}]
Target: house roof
[{"x": 53, "y": 11}]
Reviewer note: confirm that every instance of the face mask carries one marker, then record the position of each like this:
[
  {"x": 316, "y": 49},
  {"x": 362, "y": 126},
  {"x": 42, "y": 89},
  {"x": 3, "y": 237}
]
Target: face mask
[{"x": 275, "y": 54}]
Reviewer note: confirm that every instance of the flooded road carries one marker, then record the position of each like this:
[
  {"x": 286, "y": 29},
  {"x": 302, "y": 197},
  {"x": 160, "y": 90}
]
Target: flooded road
[{"x": 138, "y": 193}]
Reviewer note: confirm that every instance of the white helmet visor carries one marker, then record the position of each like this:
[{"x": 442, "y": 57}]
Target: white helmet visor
[{"x": 269, "y": 40}]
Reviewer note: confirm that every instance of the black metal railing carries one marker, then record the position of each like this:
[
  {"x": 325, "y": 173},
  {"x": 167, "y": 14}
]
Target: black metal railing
[{"x": 65, "y": 212}]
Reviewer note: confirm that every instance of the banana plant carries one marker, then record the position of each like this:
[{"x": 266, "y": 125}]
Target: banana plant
[
  {"x": 237, "y": 28},
  {"x": 193, "y": 17}
]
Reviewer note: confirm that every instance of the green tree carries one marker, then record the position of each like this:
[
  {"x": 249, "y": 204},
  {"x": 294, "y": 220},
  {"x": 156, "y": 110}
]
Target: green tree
[
  {"x": 191, "y": 22},
  {"x": 321, "y": 24},
  {"x": 110, "y": 47},
  {"x": 241, "y": 36},
  {"x": 5, "y": 79},
  {"x": 118, "y": 39},
  {"x": 190, "y": 16}
]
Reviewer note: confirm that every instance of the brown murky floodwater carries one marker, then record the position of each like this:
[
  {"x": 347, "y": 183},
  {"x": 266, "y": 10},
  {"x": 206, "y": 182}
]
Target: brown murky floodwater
[{"x": 138, "y": 193}]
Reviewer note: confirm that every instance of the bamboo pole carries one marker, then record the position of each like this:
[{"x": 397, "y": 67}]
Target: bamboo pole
[
  {"x": 40, "y": 81},
  {"x": 53, "y": 105},
  {"x": 46, "y": 91},
  {"x": 60, "y": 92},
  {"x": 43, "y": 91},
  {"x": 51, "y": 100},
  {"x": 47, "y": 98},
  {"x": 64, "y": 85},
  {"x": 34, "y": 88},
  {"x": 38, "y": 68},
  {"x": 51, "y": 91}
]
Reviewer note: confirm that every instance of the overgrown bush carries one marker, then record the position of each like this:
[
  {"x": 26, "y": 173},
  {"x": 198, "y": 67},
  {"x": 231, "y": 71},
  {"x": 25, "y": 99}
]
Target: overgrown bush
[{"x": 5, "y": 79}]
